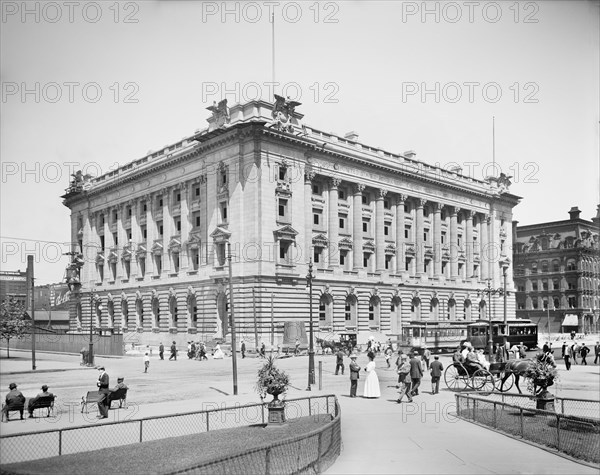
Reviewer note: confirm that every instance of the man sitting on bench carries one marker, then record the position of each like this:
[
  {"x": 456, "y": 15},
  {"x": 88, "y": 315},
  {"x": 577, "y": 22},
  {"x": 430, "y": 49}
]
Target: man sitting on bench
[
  {"x": 15, "y": 401},
  {"x": 33, "y": 400}
]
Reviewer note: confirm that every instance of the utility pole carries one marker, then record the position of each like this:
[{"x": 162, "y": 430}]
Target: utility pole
[
  {"x": 30, "y": 283},
  {"x": 311, "y": 348},
  {"x": 233, "y": 346}
]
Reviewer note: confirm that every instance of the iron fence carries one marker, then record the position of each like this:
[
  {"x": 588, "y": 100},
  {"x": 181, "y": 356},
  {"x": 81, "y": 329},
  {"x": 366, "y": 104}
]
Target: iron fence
[
  {"x": 315, "y": 449},
  {"x": 576, "y": 436}
]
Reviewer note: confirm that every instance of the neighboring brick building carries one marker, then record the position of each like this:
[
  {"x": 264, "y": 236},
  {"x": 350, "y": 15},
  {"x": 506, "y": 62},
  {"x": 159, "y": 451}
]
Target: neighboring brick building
[
  {"x": 557, "y": 268},
  {"x": 393, "y": 240},
  {"x": 13, "y": 284}
]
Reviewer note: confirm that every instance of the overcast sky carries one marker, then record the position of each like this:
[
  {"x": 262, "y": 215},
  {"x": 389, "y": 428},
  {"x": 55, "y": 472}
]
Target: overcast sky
[{"x": 96, "y": 85}]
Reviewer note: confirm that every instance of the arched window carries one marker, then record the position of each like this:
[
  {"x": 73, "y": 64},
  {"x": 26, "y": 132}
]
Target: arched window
[
  {"x": 482, "y": 310},
  {"x": 155, "y": 313},
  {"x": 571, "y": 264},
  {"x": 325, "y": 311},
  {"x": 192, "y": 310},
  {"x": 374, "y": 312},
  {"x": 451, "y": 315},
  {"x": 555, "y": 265},
  {"x": 415, "y": 309},
  {"x": 111, "y": 313},
  {"x": 139, "y": 312},
  {"x": 434, "y": 306},
  {"x": 173, "y": 311},
  {"x": 556, "y": 303},
  {"x": 467, "y": 310},
  {"x": 396, "y": 315},
  {"x": 124, "y": 313},
  {"x": 350, "y": 311},
  {"x": 544, "y": 266}
]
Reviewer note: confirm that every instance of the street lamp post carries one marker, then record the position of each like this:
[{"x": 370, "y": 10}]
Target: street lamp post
[
  {"x": 489, "y": 292},
  {"x": 311, "y": 349},
  {"x": 90, "y": 361},
  {"x": 505, "y": 266},
  {"x": 233, "y": 345}
]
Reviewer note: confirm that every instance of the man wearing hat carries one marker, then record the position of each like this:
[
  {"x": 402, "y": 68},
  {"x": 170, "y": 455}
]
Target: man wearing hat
[
  {"x": 416, "y": 373},
  {"x": 102, "y": 384},
  {"x": 15, "y": 401},
  {"x": 435, "y": 369},
  {"x": 354, "y": 374},
  {"x": 33, "y": 400}
]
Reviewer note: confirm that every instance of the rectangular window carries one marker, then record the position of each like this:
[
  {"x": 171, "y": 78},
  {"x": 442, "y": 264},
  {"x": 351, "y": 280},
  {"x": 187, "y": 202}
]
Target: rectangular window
[
  {"x": 316, "y": 256},
  {"x": 178, "y": 224},
  {"x": 347, "y": 314},
  {"x": 534, "y": 286},
  {"x": 315, "y": 189},
  {"x": 343, "y": 257},
  {"x": 406, "y": 208},
  {"x": 388, "y": 262},
  {"x": 145, "y": 207},
  {"x": 407, "y": 265},
  {"x": 144, "y": 232},
  {"x": 317, "y": 213},
  {"x": 197, "y": 190},
  {"x": 129, "y": 211},
  {"x": 115, "y": 239},
  {"x": 545, "y": 285},
  {"x": 128, "y": 232},
  {"x": 282, "y": 173},
  {"x": 159, "y": 228},
  {"x": 177, "y": 196},
  {"x": 425, "y": 236},
  {"x": 160, "y": 202},
  {"x": 443, "y": 237},
  {"x": 341, "y": 195},
  {"x": 386, "y": 228},
  {"x": 342, "y": 220},
  {"x": 196, "y": 219},
  {"x": 115, "y": 216},
  {"x": 223, "y": 211},
  {"x": 102, "y": 243},
  {"x": 407, "y": 232},
  {"x": 386, "y": 204},
  {"x": 282, "y": 208},
  {"x": 365, "y": 200}
]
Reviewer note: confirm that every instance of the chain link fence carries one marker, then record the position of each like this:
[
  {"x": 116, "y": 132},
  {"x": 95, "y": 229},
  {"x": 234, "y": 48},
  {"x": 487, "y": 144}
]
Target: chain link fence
[
  {"x": 516, "y": 415},
  {"x": 304, "y": 453}
]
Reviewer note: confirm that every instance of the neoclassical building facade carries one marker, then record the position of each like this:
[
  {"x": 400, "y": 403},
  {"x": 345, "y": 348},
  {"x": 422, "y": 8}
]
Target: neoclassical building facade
[{"x": 392, "y": 239}]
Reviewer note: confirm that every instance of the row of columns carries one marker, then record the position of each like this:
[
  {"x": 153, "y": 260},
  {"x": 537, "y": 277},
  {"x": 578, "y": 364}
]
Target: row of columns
[{"x": 487, "y": 231}]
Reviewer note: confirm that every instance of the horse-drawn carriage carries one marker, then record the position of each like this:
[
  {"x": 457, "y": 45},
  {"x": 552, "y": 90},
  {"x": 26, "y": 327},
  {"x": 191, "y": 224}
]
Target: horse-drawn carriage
[
  {"x": 342, "y": 341},
  {"x": 459, "y": 376}
]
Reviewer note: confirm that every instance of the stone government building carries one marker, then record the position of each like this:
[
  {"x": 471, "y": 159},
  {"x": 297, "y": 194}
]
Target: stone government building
[{"x": 393, "y": 240}]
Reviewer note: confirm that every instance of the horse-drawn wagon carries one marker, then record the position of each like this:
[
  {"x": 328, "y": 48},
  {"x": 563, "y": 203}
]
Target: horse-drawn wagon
[{"x": 459, "y": 376}]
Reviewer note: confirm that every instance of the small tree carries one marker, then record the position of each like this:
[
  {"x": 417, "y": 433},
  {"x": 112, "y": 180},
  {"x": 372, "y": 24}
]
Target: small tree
[{"x": 13, "y": 322}]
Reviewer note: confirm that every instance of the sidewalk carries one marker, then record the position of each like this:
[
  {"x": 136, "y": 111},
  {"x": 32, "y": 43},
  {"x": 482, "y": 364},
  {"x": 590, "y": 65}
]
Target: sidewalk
[{"x": 379, "y": 436}]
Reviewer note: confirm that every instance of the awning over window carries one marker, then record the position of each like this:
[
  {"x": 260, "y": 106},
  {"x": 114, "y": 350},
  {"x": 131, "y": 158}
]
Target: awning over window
[{"x": 570, "y": 320}]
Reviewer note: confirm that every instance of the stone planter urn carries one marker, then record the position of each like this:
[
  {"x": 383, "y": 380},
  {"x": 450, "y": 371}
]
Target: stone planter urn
[{"x": 276, "y": 409}]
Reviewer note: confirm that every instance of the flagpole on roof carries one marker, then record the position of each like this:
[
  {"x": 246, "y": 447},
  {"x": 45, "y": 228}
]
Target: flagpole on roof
[{"x": 273, "y": 51}]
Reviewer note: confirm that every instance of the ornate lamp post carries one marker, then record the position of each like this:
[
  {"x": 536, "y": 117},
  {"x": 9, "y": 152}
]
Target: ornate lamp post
[
  {"x": 233, "y": 342},
  {"x": 505, "y": 266},
  {"x": 489, "y": 292},
  {"x": 311, "y": 349}
]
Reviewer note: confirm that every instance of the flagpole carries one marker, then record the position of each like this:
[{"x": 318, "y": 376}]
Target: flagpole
[{"x": 273, "y": 51}]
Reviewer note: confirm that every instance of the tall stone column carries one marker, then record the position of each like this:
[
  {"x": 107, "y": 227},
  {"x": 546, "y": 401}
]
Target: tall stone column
[
  {"x": 379, "y": 235},
  {"x": 509, "y": 253},
  {"x": 167, "y": 228},
  {"x": 469, "y": 243},
  {"x": 308, "y": 217},
  {"x": 91, "y": 246},
  {"x": 357, "y": 232},
  {"x": 136, "y": 234},
  {"x": 109, "y": 242},
  {"x": 122, "y": 239},
  {"x": 484, "y": 251},
  {"x": 186, "y": 225},
  {"x": 437, "y": 239},
  {"x": 333, "y": 224},
  {"x": 453, "y": 242},
  {"x": 400, "y": 240},
  {"x": 151, "y": 232},
  {"x": 419, "y": 241}
]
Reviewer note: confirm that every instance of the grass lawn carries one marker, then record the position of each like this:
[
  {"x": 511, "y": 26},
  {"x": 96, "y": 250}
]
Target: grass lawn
[{"x": 168, "y": 455}]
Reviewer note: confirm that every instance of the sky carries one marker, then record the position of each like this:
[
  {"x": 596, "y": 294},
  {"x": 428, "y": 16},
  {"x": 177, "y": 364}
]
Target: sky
[{"x": 95, "y": 85}]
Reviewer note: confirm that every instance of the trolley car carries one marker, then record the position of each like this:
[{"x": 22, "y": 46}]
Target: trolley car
[
  {"x": 437, "y": 336},
  {"x": 516, "y": 332}
]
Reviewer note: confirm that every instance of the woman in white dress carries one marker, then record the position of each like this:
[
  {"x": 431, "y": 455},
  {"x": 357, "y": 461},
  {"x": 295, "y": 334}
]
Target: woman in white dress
[
  {"x": 218, "y": 354},
  {"x": 372, "y": 382}
]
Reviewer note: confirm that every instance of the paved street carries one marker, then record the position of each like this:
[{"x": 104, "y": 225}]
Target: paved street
[{"x": 379, "y": 436}]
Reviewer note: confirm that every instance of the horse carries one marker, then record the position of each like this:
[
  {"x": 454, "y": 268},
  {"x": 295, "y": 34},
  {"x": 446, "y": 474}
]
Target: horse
[
  {"x": 327, "y": 344},
  {"x": 520, "y": 368}
]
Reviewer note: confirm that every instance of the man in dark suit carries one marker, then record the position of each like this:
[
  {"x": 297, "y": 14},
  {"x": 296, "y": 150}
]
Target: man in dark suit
[
  {"x": 339, "y": 362},
  {"x": 14, "y": 401},
  {"x": 173, "y": 352},
  {"x": 435, "y": 369},
  {"x": 104, "y": 392},
  {"x": 33, "y": 400},
  {"x": 243, "y": 349},
  {"x": 354, "y": 374},
  {"x": 416, "y": 373}
]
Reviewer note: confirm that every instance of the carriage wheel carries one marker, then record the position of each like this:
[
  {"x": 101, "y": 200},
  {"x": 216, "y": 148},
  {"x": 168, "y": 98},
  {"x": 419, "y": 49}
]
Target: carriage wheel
[
  {"x": 454, "y": 380},
  {"x": 482, "y": 380},
  {"x": 508, "y": 384}
]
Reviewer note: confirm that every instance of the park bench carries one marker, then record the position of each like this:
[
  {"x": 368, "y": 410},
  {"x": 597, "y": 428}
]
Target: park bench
[
  {"x": 45, "y": 402},
  {"x": 93, "y": 397},
  {"x": 12, "y": 408}
]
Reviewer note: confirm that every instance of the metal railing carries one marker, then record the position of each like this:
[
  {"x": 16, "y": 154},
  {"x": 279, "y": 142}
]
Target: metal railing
[
  {"x": 323, "y": 444},
  {"x": 573, "y": 435}
]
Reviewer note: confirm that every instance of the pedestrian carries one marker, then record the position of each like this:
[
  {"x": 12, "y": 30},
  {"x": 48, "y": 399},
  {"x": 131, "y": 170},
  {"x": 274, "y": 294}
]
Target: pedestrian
[
  {"x": 161, "y": 351},
  {"x": 173, "y": 352},
  {"x": 33, "y": 400},
  {"x": 545, "y": 348},
  {"x": 435, "y": 370},
  {"x": 263, "y": 349},
  {"x": 522, "y": 353},
  {"x": 354, "y": 374},
  {"x": 103, "y": 381},
  {"x": 243, "y": 349},
  {"x": 426, "y": 356},
  {"x": 14, "y": 401},
  {"x": 573, "y": 353},
  {"x": 584, "y": 352},
  {"x": 371, "y": 389},
  {"x": 297, "y": 348},
  {"x": 339, "y": 361},
  {"x": 597, "y": 352},
  {"x": 457, "y": 356},
  {"x": 388, "y": 355},
  {"x": 567, "y": 360},
  {"x": 416, "y": 373},
  {"x": 146, "y": 362},
  {"x": 399, "y": 359},
  {"x": 501, "y": 354},
  {"x": 404, "y": 379},
  {"x": 564, "y": 348}
]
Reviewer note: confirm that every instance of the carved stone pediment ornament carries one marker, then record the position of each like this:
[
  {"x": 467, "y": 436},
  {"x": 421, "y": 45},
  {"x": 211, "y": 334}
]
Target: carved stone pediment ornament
[
  {"x": 220, "y": 115},
  {"x": 285, "y": 233},
  {"x": 283, "y": 114},
  {"x": 320, "y": 240},
  {"x": 220, "y": 235}
]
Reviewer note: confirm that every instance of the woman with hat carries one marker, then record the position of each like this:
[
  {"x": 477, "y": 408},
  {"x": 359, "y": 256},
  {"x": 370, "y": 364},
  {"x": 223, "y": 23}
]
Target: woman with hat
[{"x": 372, "y": 382}]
